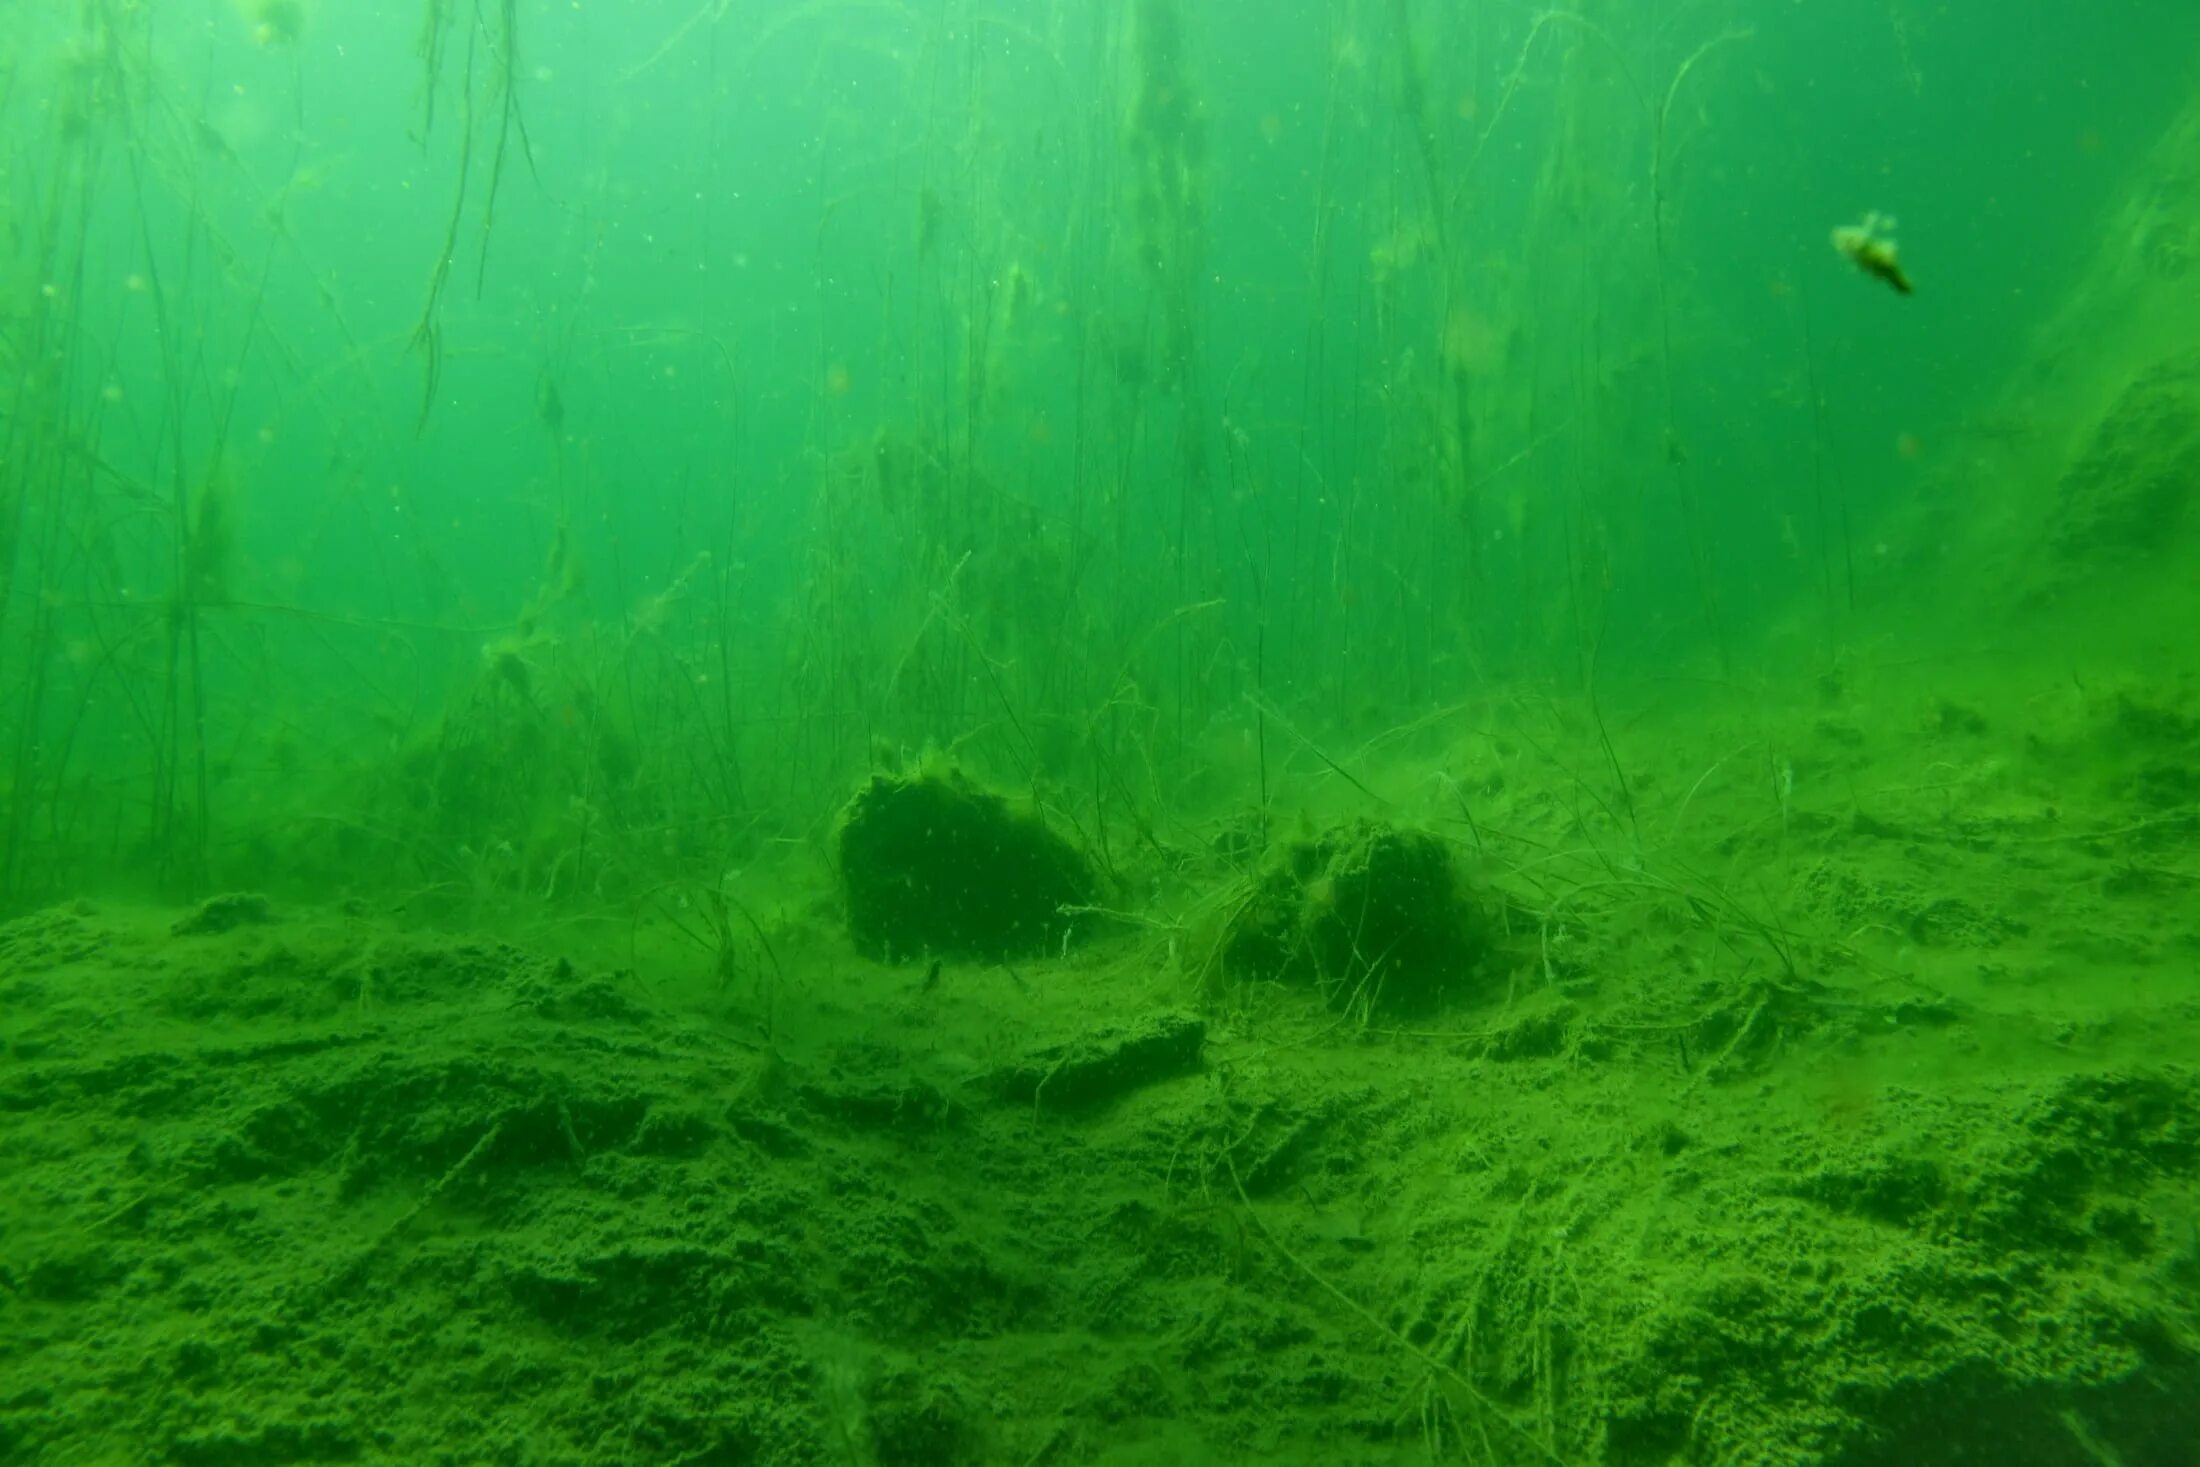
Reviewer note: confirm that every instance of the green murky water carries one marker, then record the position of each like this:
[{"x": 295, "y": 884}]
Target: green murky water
[{"x": 1351, "y": 731}]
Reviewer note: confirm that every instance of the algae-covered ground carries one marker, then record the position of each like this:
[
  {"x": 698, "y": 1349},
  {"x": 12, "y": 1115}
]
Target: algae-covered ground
[{"x": 1834, "y": 1099}]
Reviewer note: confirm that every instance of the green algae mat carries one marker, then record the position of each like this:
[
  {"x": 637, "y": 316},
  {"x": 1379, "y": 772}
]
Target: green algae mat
[{"x": 1861, "y": 1133}]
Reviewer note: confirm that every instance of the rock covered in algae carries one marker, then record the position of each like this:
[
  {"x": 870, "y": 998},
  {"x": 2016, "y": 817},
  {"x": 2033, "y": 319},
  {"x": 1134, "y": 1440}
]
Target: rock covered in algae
[
  {"x": 1379, "y": 918},
  {"x": 933, "y": 865}
]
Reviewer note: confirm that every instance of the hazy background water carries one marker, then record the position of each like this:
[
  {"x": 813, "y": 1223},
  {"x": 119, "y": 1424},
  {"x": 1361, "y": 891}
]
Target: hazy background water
[{"x": 1415, "y": 346}]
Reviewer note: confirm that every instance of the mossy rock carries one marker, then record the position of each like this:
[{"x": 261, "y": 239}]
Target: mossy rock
[
  {"x": 932, "y": 865},
  {"x": 1378, "y": 918}
]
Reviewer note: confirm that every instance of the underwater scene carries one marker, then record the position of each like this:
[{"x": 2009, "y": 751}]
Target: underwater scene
[{"x": 894, "y": 733}]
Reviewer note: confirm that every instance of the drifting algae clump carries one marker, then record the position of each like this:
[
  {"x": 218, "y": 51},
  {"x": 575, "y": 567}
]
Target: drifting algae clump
[
  {"x": 932, "y": 864},
  {"x": 1378, "y": 918}
]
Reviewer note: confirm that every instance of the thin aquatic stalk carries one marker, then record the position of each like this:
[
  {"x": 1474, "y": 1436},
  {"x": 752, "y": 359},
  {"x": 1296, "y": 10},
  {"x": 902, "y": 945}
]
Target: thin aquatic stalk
[
  {"x": 427, "y": 337},
  {"x": 510, "y": 121},
  {"x": 1675, "y": 457}
]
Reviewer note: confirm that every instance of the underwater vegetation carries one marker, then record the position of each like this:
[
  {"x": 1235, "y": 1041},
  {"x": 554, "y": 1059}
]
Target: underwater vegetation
[{"x": 915, "y": 731}]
